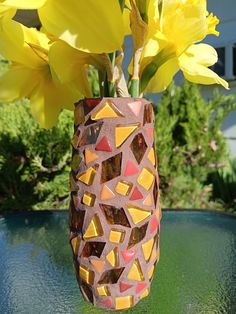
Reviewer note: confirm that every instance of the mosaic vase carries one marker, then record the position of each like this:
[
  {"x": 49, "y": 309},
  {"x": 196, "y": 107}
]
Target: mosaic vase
[{"x": 114, "y": 209}]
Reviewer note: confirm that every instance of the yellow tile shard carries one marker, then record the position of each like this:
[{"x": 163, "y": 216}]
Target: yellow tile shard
[
  {"x": 89, "y": 199},
  {"x": 138, "y": 214},
  {"x": 103, "y": 291},
  {"x": 113, "y": 258},
  {"x": 106, "y": 193},
  {"x": 144, "y": 294},
  {"x": 86, "y": 274},
  {"x": 151, "y": 156},
  {"x": 123, "y": 132},
  {"x": 116, "y": 236},
  {"x": 146, "y": 178},
  {"x": 124, "y": 188},
  {"x": 108, "y": 110},
  {"x": 124, "y": 302},
  {"x": 150, "y": 272},
  {"x": 75, "y": 242},
  {"x": 94, "y": 229},
  {"x": 147, "y": 249},
  {"x": 88, "y": 176},
  {"x": 148, "y": 200},
  {"x": 135, "y": 272}
]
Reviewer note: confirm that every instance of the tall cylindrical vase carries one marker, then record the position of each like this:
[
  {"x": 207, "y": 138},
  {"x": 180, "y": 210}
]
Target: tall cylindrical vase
[{"x": 114, "y": 210}]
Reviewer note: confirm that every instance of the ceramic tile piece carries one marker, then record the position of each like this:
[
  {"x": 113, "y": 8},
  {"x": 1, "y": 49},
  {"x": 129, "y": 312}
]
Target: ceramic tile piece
[
  {"x": 151, "y": 157},
  {"x": 98, "y": 264},
  {"x": 93, "y": 249},
  {"x": 94, "y": 229},
  {"x": 148, "y": 114},
  {"x": 76, "y": 219},
  {"x": 138, "y": 147},
  {"x": 140, "y": 286},
  {"x": 86, "y": 274},
  {"x": 150, "y": 272},
  {"x": 135, "y": 107},
  {"x": 145, "y": 293},
  {"x": 138, "y": 214},
  {"x": 147, "y": 249},
  {"x": 111, "y": 276},
  {"x": 107, "y": 110},
  {"x": 124, "y": 131},
  {"x": 90, "y": 121},
  {"x": 89, "y": 199},
  {"x": 155, "y": 192},
  {"x": 87, "y": 291},
  {"x": 113, "y": 257},
  {"x": 154, "y": 224},
  {"x": 116, "y": 236},
  {"x": 136, "y": 195},
  {"x": 135, "y": 272},
  {"x": 103, "y": 291},
  {"x": 128, "y": 255},
  {"x": 90, "y": 104},
  {"x": 90, "y": 134},
  {"x": 124, "y": 286},
  {"x": 124, "y": 187},
  {"x": 76, "y": 160},
  {"x": 130, "y": 169},
  {"x": 75, "y": 140},
  {"x": 154, "y": 254},
  {"x": 79, "y": 116},
  {"x": 89, "y": 156},
  {"x": 150, "y": 134},
  {"x": 75, "y": 242},
  {"x": 137, "y": 235},
  {"x": 106, "y": 193},
  {"x": 104, "y": 145},
  {"x": 148, "y": 200},
  {"x": 146, "y": 178},
  {"x": 107, "y": 303},
  {"x": 111, "y": 168},
  {"x": 88, "y": 176},
  {"x": 115, "y": 216},
  {"x": 73, "y": 185},
  {"x": 124, "y": 302}
]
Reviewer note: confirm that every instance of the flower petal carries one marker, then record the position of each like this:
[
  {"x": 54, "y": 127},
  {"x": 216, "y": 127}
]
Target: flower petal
[
  {"x": 91, "y": 25},
  {"x": 6, "y": 13},
  {"x": 198, "y": 73},
  {"x": 16, "y": 48},
  {"x": 16, "y": 83},
  {"x": 203, "y": 54},
  {"x": 163, "y": 76},
  {"x": 24, "y": 4}
]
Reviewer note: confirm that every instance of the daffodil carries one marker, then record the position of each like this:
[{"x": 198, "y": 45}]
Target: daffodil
[
  {"x": 6, "y": 12},
  {"x": 92, "y": 26},
  {"x": 30, "y": 74},
  {"x": 172, "y": 45}
]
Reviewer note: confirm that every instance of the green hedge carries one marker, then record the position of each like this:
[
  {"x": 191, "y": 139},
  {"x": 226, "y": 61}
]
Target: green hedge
[{"x": 35, "y": 163}]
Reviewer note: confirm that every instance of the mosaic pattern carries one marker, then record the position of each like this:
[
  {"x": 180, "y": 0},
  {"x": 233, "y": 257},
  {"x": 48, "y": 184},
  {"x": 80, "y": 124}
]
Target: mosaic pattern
[{"x": 114, "y": 210}]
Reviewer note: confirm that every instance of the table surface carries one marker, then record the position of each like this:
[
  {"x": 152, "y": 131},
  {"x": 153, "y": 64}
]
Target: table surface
[{"x": 196, "y": 273}]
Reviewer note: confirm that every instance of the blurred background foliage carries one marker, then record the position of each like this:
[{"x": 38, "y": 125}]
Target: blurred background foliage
[{"x": 195, "y": 168}]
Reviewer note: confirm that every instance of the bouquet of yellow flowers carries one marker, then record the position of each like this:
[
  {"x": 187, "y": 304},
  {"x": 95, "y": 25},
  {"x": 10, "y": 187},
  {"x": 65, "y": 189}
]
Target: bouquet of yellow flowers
[
  {"x": 114, "y": 210},
  {"x": 51, "y": 66}
]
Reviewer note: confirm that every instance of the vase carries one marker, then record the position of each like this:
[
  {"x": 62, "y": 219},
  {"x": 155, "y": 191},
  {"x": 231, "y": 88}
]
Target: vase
[{"x": 114, "y": 208}]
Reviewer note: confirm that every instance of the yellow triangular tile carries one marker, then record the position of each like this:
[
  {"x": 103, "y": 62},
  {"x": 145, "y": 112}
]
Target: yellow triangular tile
[
  {"x": 135, "y": 272},
  {"x": 150, "y": 272},
  {"x": 138, "y": 214},
  {"x": 148, "y": 200},
  {"x": 147, "y": 249},
  {"x": 108, "y": 110},
  {"x": 106, "y": 193},
  {"x": 144, "y": 294},
  {"x": 94, "y": 229},
  {"x": 151, "y": 156},
  {"x": 90, "y": 156},
  {"x": 87, "y": 177},
  {"x": 123, "y": 132},
  {"x": 154, "y": 254},
  {"x": 146, "y": 178},
  {"x": 98, "y": 265},
  {"x": 75, "y": 242},
  {"x": 112, "y": 257}
]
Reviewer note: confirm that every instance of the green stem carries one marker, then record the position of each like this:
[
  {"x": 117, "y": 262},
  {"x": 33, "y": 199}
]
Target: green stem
[
  {"x": 134, "y": 88},
  {"x": 111, "y": 85}
]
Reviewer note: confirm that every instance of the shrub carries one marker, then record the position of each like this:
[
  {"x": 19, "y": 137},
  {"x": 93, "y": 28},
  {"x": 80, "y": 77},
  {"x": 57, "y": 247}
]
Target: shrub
[{"x": 190, "y": 144}]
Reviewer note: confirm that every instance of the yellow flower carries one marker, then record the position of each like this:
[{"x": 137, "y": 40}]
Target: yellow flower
[
  {"x": 181, "y": 25},
  {"x": 30, "y": 74},
  {"x": 6, "y": 12},
  {"x": 92, "y": 25}
]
